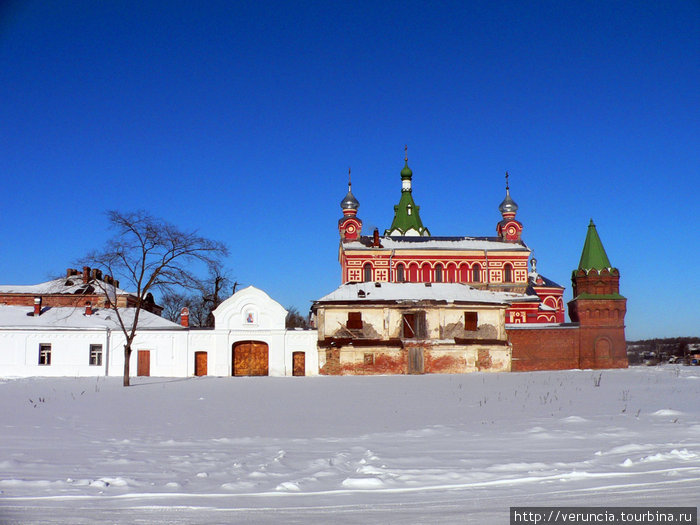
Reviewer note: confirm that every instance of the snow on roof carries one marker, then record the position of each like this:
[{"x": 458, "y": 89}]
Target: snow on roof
[
  {"x": 63, "y": 285},
  {"x": 437, "y": 243},
  {"x": 74, "y": 317},
  {"x": 450, "y": 292}
]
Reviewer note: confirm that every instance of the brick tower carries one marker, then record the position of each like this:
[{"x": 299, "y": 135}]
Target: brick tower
[{"x": 598, "y": 307}]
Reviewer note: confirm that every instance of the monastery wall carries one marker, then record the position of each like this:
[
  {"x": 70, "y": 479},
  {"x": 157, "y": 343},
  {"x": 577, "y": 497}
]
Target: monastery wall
[{"x": 544, "y": 348}]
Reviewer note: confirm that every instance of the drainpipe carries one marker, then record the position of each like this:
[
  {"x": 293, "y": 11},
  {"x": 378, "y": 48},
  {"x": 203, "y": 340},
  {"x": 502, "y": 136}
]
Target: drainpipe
[
  {"x": 391, "y": 266},
  {"x": 488, "y": 272},
  {"x": 108, "y": 333}
]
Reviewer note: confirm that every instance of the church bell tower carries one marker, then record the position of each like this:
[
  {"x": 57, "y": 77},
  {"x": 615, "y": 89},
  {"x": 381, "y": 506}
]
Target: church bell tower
[{"x": 349, "y": 225}]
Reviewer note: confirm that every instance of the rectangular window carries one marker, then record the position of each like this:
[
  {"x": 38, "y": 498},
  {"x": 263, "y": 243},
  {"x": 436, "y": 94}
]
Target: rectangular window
[
  {"x": 471, "y": 321},
  {"x": 413, "y": 325},
  {"x": 45, "y": 354},
  {"x": 95, "y": 355},
  {"x": 369, "y": 359},
  {"x": 354, "y": 320}
]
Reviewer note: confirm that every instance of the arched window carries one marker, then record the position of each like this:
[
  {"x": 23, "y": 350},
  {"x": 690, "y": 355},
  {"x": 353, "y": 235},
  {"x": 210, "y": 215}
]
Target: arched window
[
  {"x": 476, "y": 273},
  {"x": 400, "y": 274},
  {"x": 367, "y": 271},
  {"x": 413, "y": 272},
  {"x": 438, "y": 273},
  {"x": 508, "y": 273}
]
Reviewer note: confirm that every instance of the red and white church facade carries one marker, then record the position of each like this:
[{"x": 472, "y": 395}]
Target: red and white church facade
[{"x": 406, "y": 252}]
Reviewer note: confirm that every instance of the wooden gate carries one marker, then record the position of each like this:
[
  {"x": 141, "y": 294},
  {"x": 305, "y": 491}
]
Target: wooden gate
[
  {"x": 143, "y": 367},
  {"x": 250, "y": 358},
  {"x": 200, "y": 363},
  {"x": 415, "y": 360},
  {"x": 298, "y": 364}
]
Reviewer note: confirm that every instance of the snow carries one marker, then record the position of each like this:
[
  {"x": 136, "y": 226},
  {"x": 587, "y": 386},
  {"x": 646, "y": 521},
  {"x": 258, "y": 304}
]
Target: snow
[
  {"x": 60, "y": 286},
  {"x": 449, "y": 292},
  {"x": 391, "y": 449},
  {"x": 58, "y": 317},
  {"x": 439, "y": 243}
]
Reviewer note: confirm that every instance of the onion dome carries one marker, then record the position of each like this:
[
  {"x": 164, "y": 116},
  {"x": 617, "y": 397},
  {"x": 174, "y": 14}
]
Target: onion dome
[
  {"x": 508, "y": 205},
  {"x": 406, "y": 172},
  {"x": 349, "y": 202}
]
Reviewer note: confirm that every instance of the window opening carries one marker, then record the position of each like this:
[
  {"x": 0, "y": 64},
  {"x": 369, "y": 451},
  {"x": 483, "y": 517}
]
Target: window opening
[
  {"x": 413, "y": 325},
  {"x": 367, "y": 272},
  {"x": 476, "y": 273},
  {"x": 400, "y": 273},
  {"x": 45, "y": 354},
  {"x": 508, "y": 274},
  {"x": 471, "y": 321},
  {"x": 96, "y": 355},
  {"x": 354, "y": 320}
]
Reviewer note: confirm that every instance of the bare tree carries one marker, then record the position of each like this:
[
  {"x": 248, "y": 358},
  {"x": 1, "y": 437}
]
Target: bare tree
[
  {"x": 173, "y": 303},
  {"x": 209, "y": 293},
  {"x": 294, "y": 319},
  {"x": 150, "y": 255}
]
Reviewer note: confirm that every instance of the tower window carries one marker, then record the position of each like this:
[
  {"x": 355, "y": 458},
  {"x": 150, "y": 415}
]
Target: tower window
[
  {"x": 367, "y": 272},
  {"x": 45, "y": 354},
  {"x": 400, "y": 274}
]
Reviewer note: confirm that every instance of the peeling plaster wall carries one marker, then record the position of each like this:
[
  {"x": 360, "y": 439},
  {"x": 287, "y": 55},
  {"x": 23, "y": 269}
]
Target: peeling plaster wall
[
  {"x": 379, "y": 348},
  {"x": 443, "y": 322}
]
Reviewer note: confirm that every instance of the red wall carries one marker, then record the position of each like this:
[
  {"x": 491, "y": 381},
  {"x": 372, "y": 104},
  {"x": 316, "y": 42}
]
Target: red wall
[{"x": 544, "y": 348}]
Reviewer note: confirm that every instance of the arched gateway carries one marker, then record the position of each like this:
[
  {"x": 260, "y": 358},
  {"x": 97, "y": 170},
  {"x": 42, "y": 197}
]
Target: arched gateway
[{"x": 250, "y": 358}]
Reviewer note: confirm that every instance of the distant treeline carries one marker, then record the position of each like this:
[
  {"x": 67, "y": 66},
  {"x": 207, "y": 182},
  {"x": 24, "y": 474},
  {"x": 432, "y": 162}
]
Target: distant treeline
[
  {"x": 661, "y": 350},
  {"x": 666, "y": 341}
]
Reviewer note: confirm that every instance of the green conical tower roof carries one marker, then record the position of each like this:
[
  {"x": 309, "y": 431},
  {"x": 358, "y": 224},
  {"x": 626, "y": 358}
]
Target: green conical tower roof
[
  {"x": 406, "y": 212},
  {"x": 593, "y": 256}
]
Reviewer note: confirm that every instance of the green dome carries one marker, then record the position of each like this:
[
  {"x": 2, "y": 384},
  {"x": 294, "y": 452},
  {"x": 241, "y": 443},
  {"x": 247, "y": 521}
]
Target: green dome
[{"x": 406, "y": 172}]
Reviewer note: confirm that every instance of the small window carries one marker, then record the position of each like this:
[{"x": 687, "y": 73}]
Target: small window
[
  {"x": 508, "y": 273},
  {"x": 438, "y": 274},
  {"x": 476, "y": 273},
  {"x": 45, "y": 354},
  {"x": 95, "y": 355},
  {"x": 471, "y": 321},
  {"x": 354, "y": 320},
  {"x": 367, "y": 272},
  {"x": 329, "y": 355},
  {"x": 413, "y": 325},
  {"x": 400, "y": 274},
  {"x": 369, "y": 359}
]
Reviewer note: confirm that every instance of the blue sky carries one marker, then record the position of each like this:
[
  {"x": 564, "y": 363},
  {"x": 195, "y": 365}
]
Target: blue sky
[{"x": 240, "y": 120}]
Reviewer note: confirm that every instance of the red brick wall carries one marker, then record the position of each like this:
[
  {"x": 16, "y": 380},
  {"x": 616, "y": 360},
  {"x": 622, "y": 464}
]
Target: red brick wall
[
  {"x": 567, "y": 348},
  {"x": 544, "y": 348},
  {"x": 97, "y": 301}
]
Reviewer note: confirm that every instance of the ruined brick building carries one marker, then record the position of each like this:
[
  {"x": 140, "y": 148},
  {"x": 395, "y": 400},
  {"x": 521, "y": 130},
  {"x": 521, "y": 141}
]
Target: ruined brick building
[
  {"x": 78, "y": 289},
  {"x": 413, "y": 303}
]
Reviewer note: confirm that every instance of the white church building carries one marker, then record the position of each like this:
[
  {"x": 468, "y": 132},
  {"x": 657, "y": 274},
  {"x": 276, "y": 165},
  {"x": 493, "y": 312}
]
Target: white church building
[{"x": 249, "y": 338}]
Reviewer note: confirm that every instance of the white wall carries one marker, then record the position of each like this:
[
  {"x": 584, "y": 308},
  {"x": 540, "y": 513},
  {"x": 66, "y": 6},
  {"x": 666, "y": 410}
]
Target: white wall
[{"x": 249, "y": 315}]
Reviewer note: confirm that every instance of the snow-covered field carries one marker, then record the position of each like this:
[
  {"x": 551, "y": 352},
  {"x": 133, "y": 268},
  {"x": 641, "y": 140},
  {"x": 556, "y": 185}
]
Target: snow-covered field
[{"x": 401, "y": 449}]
